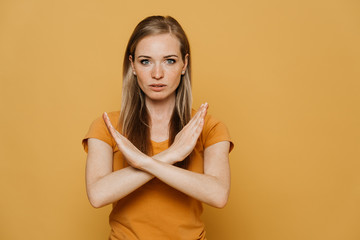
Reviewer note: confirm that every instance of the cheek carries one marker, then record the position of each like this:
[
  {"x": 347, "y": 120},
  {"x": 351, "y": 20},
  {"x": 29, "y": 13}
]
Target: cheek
[
  {"x": 140, "y": 82},
  {"x": 177, "y": 80},
  {"x": 141, "y": 71},
  {"x": 175, "y": 73},
  {"x": 142, "y": 76}
]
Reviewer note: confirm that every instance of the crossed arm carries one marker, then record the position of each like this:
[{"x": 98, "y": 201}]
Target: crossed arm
[{"x": 105, "y": 186}]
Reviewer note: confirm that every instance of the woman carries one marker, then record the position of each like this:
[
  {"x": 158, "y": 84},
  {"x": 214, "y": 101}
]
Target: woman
[{"x": 157, "y": 159}]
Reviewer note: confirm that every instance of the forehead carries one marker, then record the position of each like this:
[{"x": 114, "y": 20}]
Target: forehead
[{"x": 162, "y": 44}]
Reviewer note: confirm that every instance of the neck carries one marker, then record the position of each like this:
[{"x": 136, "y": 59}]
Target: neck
[{"x": 160, "y": 111}]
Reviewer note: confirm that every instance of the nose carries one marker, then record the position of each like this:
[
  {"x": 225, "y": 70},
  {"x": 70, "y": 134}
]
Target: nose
[{"x": 157, "y": 72}]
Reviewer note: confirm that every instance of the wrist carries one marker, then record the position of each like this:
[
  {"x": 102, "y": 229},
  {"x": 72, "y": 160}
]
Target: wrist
[
  {"x": 172, "y": 156},
  {"x": 165, "y": 156},
  {"x": 145, "y": 163}
]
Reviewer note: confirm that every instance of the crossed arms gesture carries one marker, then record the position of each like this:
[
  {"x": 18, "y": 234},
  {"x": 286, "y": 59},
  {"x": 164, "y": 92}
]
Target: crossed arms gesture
[{"x": 105, "y": 186}]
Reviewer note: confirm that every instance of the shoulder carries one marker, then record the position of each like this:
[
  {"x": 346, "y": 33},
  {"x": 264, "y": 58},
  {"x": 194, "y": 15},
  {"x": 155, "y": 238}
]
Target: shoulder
[
  {"x": 99, "y": 130},
  {"x": 210, "y": 121},
  {"x": 99, "y": 121},
  {"x": 114, "y": 118},
  {"x": 214, "y": 131}
]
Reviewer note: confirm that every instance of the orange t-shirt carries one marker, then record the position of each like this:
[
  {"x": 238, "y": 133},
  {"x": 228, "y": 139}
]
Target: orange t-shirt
[{"x": 156, "y": 210}]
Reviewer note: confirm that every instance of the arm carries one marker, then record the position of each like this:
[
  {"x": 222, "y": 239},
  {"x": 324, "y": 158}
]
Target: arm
[
  {"x": 104, "y": 186},
  {"x": 212, "y": 187}
]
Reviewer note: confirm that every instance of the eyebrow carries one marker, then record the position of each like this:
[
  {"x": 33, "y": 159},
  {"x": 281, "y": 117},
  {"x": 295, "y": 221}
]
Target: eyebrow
[
  {"x": 173, "y": 55},
  {"x": 143, "y": 56},
  {"x": 167, "y": 56}
]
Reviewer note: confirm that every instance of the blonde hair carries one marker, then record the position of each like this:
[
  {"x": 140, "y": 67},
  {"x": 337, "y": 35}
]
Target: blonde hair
[{"x": 134, "y": 118}]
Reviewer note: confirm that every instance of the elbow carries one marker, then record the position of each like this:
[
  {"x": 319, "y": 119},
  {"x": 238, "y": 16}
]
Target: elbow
[
  {"x": 95, "y": 203},
  {"x": 221, "y": 203},
  {"x": 220, "y": 200},
  {"x": 95, "y": 200}
]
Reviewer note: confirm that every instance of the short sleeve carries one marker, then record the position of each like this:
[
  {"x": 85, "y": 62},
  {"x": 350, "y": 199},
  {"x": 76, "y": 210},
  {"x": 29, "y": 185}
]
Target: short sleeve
[
  {"x": 215, "y": 131},
  {"x": 99, "y": 130}
]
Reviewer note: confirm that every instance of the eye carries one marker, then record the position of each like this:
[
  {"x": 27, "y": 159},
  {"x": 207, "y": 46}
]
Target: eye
[
  {"x": 145, "y": 62},
  {"x": 170, "y": 61}
]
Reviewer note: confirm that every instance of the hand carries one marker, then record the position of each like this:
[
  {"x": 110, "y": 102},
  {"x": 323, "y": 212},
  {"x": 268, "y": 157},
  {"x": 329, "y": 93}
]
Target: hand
[
  {"x": 133, "y": 155},
  {"x": 186, "y": 139}
]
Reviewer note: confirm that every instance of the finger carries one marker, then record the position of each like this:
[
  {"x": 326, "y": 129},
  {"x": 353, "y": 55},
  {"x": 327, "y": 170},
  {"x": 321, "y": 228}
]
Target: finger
[
  {"x": 107, "y": 121},
  {"x": 202, "y": 113},
  {"x": 195, "y": 120},
  {"x": 201, "y": 120},
  {"x": 109, "y": 126},
  {"x": 204, "y": 110},
  {"x": 199, "y": 128},
  {"x": 197, "y": 115}
]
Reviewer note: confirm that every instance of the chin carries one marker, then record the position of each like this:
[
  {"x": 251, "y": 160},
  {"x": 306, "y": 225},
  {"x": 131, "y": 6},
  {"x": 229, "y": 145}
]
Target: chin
[{"x": 159, "y": 97}]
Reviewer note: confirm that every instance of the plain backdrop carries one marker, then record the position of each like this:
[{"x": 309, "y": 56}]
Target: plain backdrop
[{"x": 284, "y": 76}]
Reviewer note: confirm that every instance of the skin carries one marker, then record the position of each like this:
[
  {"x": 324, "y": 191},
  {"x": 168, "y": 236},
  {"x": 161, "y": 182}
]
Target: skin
[{"x": 157, "y": 60}]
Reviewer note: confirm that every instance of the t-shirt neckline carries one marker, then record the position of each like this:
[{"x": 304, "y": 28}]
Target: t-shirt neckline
[{"x": 158, "y": 143}]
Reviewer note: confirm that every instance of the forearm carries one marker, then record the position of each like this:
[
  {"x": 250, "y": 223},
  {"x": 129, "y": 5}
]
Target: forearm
[
  {"x": 205, "y": 188},
  {"x": 116, "y": 185},
  {"x": 212, "y": 187},
  {"x": 120, "y": 183}
]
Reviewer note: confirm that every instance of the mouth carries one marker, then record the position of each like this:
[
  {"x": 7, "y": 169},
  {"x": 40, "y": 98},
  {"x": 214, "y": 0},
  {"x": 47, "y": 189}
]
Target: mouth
[{"x": 157, "y": 87}]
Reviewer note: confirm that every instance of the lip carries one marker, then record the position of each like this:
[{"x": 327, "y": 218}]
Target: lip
[{"x": 157, "y": 87}]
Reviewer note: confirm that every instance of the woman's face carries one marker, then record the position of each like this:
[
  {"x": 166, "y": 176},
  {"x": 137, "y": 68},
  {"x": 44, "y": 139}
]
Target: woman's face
[{"x": 158, "y": 66}]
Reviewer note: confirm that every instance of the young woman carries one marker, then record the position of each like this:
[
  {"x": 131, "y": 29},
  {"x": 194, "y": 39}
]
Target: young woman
[{"x": 157, "y": 159}]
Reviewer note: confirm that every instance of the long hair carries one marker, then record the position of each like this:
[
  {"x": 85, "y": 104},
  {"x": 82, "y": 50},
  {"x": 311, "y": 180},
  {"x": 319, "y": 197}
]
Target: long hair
[{"x": 134, "y": 116}]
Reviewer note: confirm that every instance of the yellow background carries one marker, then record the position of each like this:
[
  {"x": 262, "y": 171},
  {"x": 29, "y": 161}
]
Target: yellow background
[{"x": 283, "y": 75}]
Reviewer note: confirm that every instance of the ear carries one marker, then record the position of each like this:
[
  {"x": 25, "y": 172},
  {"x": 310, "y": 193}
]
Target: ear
[
  {"x": 186, "y": 60},
  {"x": 132, "y": 63}
]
